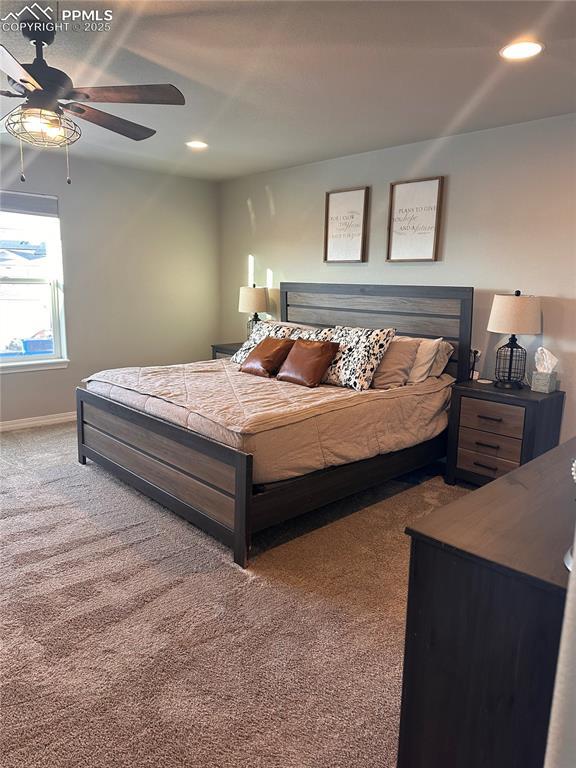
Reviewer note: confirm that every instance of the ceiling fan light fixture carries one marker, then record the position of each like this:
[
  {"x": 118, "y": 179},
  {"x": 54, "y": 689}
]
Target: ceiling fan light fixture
[
  {"x": 197, "y": 145},
  {"x": 42, "y": 128},
  {"x": 521, "y": 49}
]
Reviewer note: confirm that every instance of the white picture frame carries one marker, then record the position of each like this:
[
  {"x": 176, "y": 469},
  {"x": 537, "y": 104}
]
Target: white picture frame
[
  {"x": 414, "y": 220},
  {"x": 345, "y": 227}
]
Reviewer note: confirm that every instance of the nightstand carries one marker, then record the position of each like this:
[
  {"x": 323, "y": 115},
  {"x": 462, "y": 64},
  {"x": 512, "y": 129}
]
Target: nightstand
[
  {"x": 492, "y": 431},
  {"x": 225, "y": 350}
]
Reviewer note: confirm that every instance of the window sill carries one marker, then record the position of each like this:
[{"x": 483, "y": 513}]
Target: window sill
[{"x": 27, "y": 366}]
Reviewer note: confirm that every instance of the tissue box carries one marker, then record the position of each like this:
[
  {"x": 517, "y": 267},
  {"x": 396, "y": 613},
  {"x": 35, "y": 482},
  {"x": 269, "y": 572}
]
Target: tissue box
[{"x": 544, "y": 382}]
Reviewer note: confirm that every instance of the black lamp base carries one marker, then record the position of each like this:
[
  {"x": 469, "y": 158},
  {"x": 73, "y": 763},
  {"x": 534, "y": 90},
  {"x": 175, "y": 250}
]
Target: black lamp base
[
  {"x": 510, "y": 365},
  {"x": 508, "y": 384},
  {"x": 251, "y": 324}
]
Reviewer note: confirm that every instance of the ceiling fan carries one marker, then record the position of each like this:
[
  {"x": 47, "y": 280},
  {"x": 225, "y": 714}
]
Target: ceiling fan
[{"x": 50, "y": 98}]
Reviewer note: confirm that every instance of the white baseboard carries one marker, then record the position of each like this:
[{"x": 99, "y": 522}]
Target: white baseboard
[{"x": 37, "y": 421}]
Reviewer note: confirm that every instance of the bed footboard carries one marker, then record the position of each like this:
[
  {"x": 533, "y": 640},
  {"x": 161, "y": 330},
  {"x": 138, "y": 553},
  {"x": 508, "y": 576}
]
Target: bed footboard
[{"x": 207, "y": 483}]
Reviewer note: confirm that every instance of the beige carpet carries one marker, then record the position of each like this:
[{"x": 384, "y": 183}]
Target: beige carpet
[{"x": 130, "y": 638}]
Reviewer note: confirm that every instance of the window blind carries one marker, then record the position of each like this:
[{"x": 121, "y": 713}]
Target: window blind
[{"x": 24, "y": 202}]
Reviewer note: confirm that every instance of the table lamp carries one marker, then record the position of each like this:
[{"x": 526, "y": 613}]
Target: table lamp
[
  {"x": 513, "y": 314},
  {"x": 252, "y": 300}
]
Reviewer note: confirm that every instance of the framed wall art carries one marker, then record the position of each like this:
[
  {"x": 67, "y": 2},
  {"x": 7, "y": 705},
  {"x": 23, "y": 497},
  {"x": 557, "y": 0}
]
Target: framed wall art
[
  {"x": 414, "y": 219},
  {"x": 346, "y": 225}
]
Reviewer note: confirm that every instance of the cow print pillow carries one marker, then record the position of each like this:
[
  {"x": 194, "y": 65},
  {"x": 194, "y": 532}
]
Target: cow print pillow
[
  {"x": 260, "y": 331},
  {"x": 360, "y": 353},
  {"x": 318, "y": 334}
]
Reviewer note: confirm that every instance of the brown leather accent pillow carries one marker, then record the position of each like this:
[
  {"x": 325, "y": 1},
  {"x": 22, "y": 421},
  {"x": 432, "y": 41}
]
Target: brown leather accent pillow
[
  {"x": 307, "y": 362},
  {"x": 267, "y": 357}
]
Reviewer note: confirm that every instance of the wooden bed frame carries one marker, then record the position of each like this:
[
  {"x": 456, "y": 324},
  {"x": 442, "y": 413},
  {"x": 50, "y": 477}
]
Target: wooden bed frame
[{"x": 210, "y": 484}]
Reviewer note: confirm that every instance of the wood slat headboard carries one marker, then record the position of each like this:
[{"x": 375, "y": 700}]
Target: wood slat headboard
[{"x": 414, "y": 310}]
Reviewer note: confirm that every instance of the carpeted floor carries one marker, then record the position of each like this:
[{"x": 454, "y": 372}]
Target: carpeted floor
[{"x": 130, "y": 638}]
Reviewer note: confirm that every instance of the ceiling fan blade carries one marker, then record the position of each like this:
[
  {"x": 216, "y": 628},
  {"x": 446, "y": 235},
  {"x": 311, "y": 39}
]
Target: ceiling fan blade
[
  {"x": 7, "y": 114},
  {"x": 111, "y": 122},
  {"x": 10, "y": 95},
  {"x": 129, "y": 94},
  {"x": 12, "y": 67}
]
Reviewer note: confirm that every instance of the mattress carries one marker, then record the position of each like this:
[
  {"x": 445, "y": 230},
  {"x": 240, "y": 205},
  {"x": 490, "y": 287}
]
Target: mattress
[{"x": 290, "y": 430}]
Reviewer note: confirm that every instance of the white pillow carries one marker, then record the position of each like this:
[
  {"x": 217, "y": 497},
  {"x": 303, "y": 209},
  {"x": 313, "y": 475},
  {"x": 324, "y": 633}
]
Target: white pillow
[
  {"x": 442, "y": 359},
  {"x": 424, "y": 361}
]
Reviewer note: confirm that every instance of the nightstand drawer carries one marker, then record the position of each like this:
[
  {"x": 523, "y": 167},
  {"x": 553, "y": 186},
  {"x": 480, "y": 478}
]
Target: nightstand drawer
[
  {"x": 502, "y": 446},
  {"x": 489, "y": 466},
  {"x": 489, "y": 416}
]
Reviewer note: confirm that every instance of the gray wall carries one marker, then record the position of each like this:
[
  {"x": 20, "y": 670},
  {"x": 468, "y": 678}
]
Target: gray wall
[
  {"x": 509, "y": 222},
  {"x": 140, "y": 257},
  {"x": 149, "y": 259}
]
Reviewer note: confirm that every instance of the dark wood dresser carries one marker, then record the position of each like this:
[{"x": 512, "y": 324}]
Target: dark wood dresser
[{"x": 485, "y": 607}]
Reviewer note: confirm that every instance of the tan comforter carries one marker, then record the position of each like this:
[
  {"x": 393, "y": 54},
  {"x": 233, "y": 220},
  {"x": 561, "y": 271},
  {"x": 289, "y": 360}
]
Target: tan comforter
[{"x": 290, "y": 430}]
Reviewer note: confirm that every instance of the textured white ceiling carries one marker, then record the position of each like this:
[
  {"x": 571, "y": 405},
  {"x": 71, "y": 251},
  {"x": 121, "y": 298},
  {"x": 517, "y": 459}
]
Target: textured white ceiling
[{"x": 274, "y": 84}]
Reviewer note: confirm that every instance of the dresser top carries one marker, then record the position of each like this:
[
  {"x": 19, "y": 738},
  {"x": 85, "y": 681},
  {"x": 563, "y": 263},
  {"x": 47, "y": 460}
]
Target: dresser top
[
  {"x": 512, "y": 396},
  {"x": 524, "y": 521}
]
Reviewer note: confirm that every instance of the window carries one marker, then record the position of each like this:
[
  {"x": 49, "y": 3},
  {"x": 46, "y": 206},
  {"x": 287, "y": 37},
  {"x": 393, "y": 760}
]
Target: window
[{"x": 31, "y": 300}]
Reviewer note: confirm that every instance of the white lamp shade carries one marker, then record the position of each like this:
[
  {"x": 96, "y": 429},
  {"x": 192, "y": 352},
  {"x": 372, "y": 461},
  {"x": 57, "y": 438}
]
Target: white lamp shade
[
  {"x": 515, "y": 314},
  {"x": 253, "y": 300}
]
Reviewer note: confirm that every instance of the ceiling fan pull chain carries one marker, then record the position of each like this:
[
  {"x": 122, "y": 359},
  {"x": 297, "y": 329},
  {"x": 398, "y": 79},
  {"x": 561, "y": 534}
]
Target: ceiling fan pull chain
[
  {"x": 22, "y": 177},
  {"x": 68, "y": 179}
]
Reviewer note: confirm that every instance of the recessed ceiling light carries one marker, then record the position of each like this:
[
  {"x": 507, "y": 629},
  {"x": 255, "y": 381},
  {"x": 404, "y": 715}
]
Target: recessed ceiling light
[
  {"x": 523, "y": 49},
  {"x": 197, "y": 145}
]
